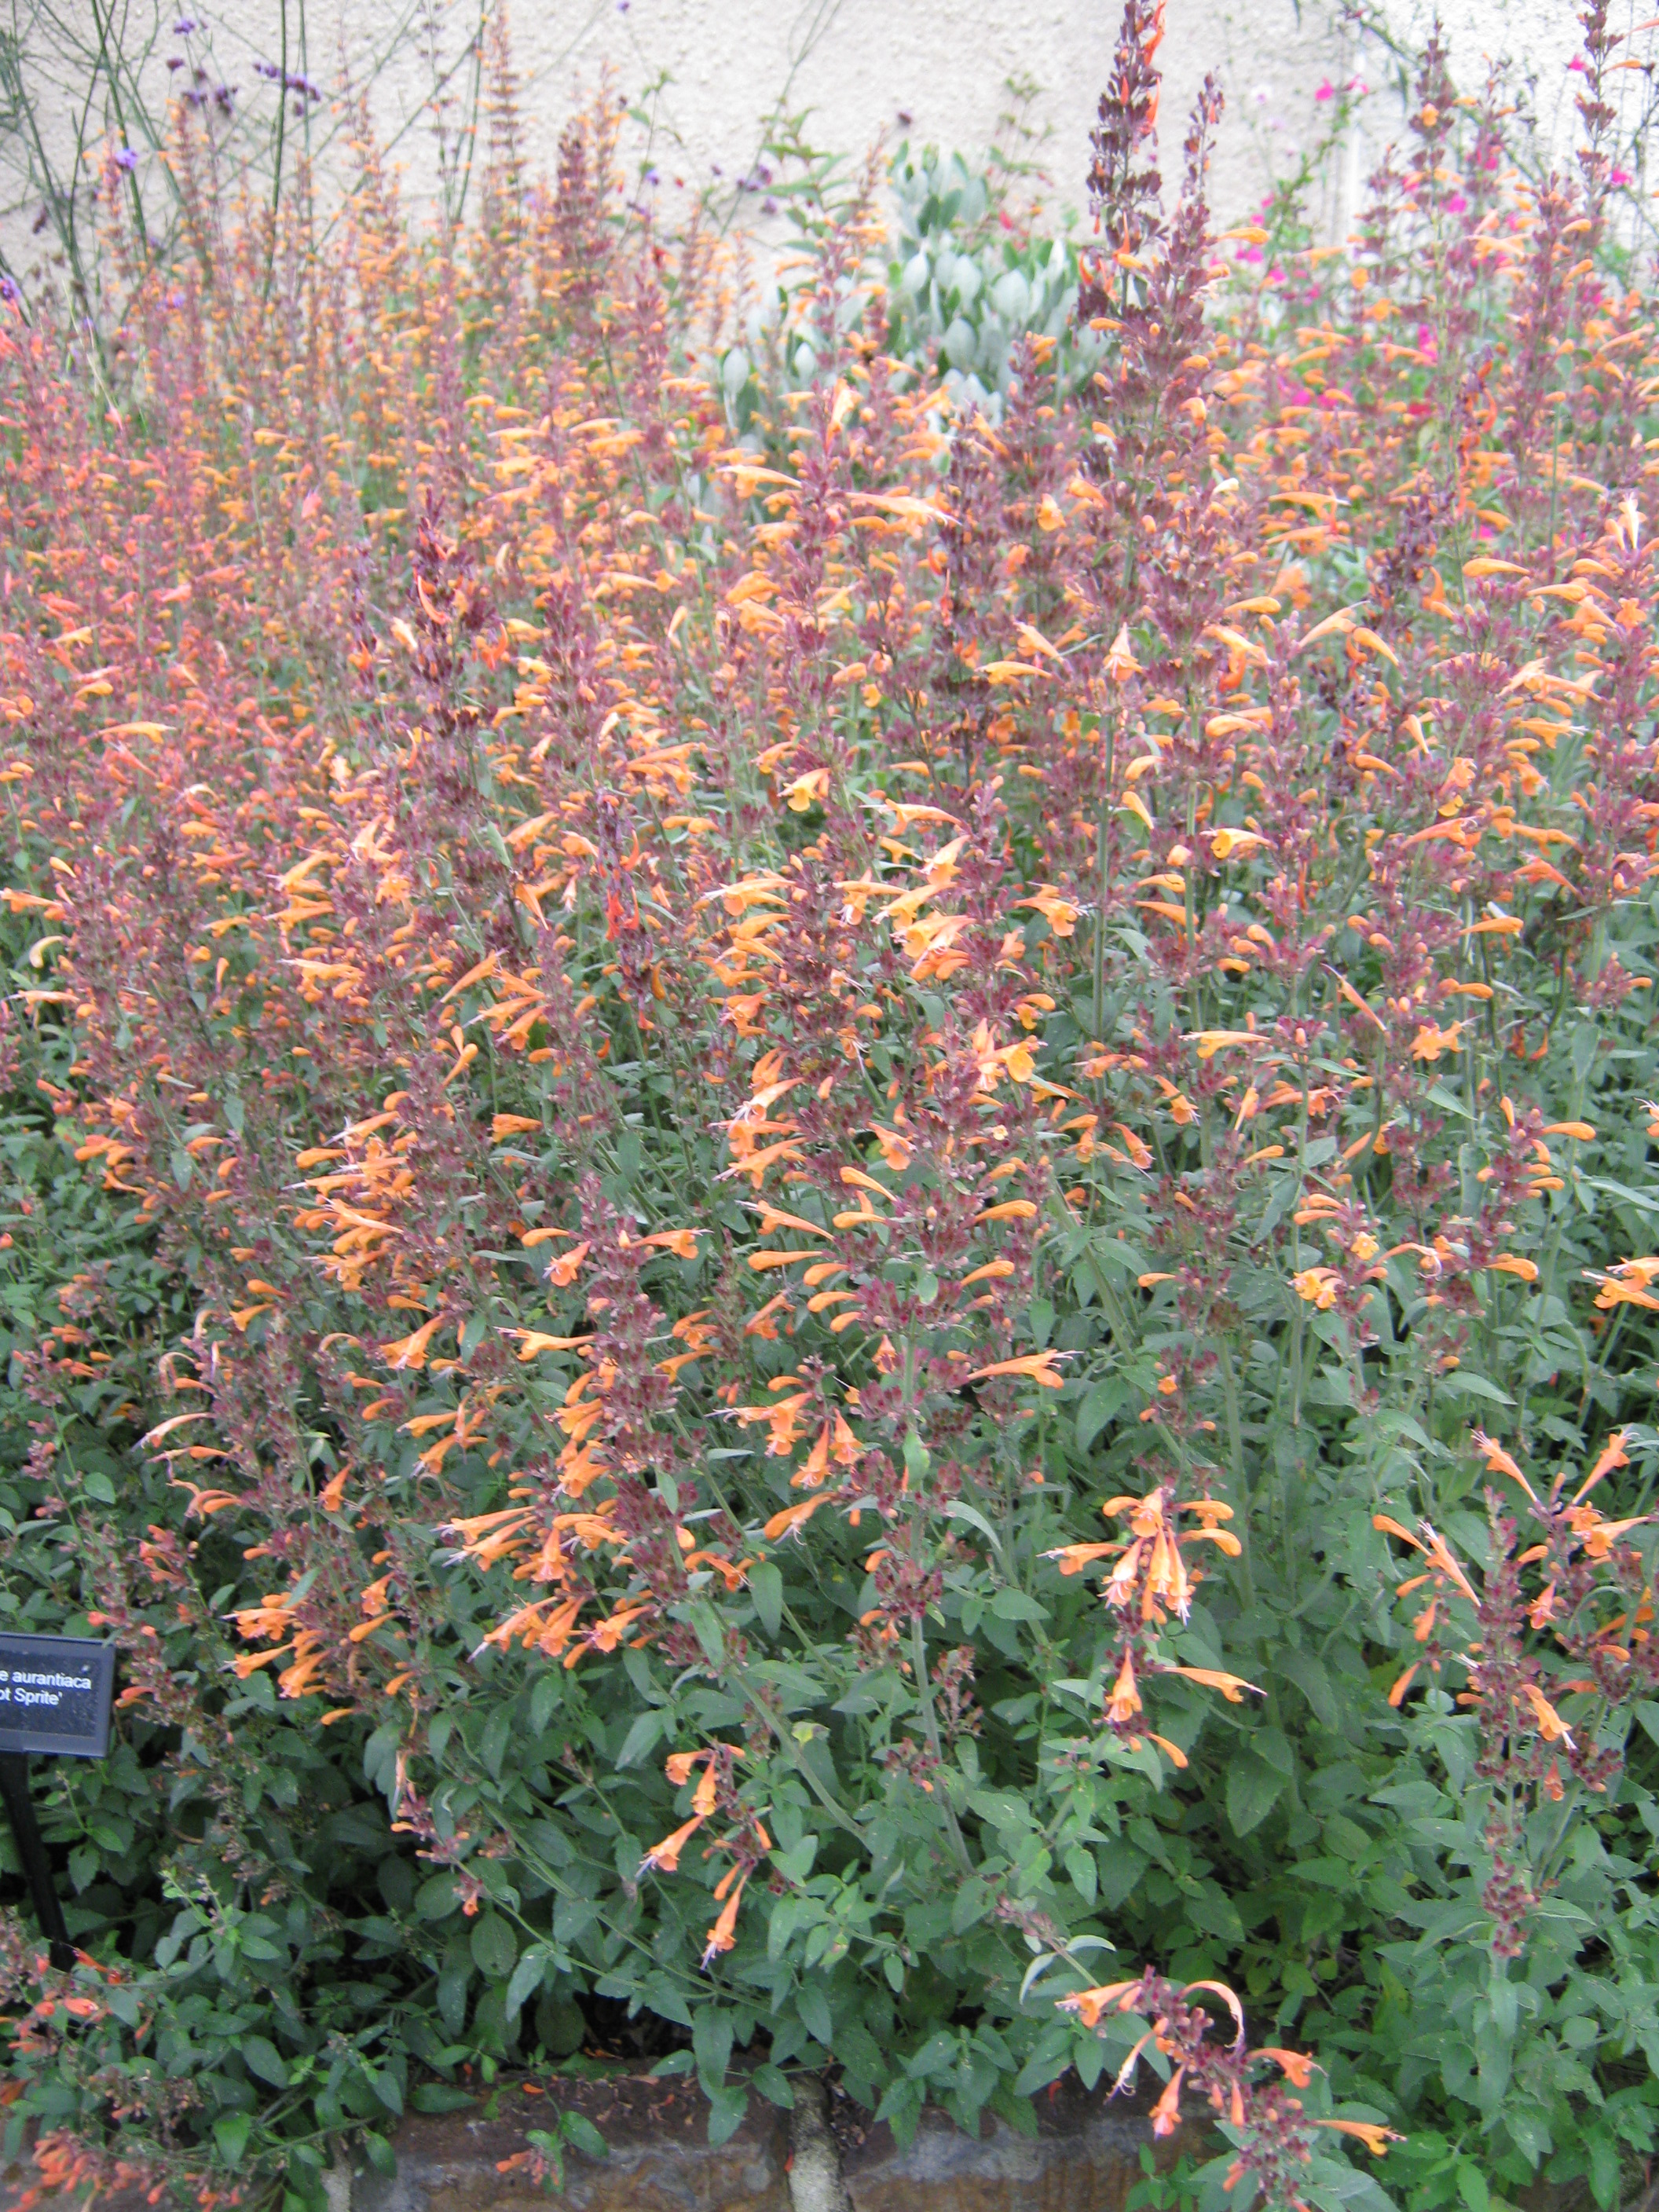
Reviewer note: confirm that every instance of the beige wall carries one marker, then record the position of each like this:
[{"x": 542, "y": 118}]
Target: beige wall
[{"x": 721, "y": 65}]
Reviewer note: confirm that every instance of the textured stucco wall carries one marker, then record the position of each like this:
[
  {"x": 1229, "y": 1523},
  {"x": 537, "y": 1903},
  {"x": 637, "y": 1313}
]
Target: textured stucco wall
[{"x": 862, "y": 67}]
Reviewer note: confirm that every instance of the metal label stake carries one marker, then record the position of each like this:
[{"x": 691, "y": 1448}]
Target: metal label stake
[{"x": 55, "y": 1699}]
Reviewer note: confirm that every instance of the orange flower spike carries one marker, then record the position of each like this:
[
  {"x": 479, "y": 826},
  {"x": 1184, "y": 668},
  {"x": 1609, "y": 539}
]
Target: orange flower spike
[
  {"x": 1397, "y": 1694},
  {"x": 1074, "y": 1558},
  {"x": 664, "y": 1857},
  {"x": 1231, "y": 1687},
  {"x": 1119, "y": 1586},
  {"x": 1041, "y": 1366},
  {"x": 565, "y": 1269},
  {"x": 793, "y": 1517},
  {"x": 722, "y": 1936},
  {"x": 1391, "y": 1527},
  {"x": 1223, "y": 1538},
  {"x": 1166, "y": 2113},
  {"x": 1297, "y": 2069},
  {"x": 1375, "y": 2139},
  {"x": 1125, "y": 1701},
  {"x": 1551, "y": 1726},
  {"x": 703, "y": 1803},
  {"x": 1612, "y": 1455},
  {"x": 682, "y": 1243},
  {"x": 1499, "y": 1462},
  {"x": 1440, "y": 1557},
  {"x": 1227, "y": 1998},
  {"x": 1167, "y": 1579},
  {"x": 1090, "y": 2004},
  {"x": 410, "y": 1350}
]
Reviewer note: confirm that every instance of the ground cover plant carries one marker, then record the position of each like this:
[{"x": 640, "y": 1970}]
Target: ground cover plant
[{"x": 829, "y": 1229}]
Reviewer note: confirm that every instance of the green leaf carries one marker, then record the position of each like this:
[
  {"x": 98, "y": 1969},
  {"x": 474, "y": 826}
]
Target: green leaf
[
  {"x": 813, "y": 2007},
  {"x": 388, "y": 2089},
  {"x": 494, "y": 1947},
  {"x": 230, "y": 2133},
  {"x": 1309, "y": 1674},
  {"x": 711, "y": 2042},
  {"x": 526, "y": 1977},
  {"x": 440, "y": 2097},
  {"x": 641, "y": 1737},
  {"x": 543, "y": 1700},
  {"x": 766, "y": 1588},
  {"x": 1462, "y": 1384},
  {"x": 726, "y": 2108},
  {"x": 436, "y": 1898},
  {"x": 381, "y": 2154},
  {"x": 261, "y": 2057},
  {"x": 775, "y": 2086},
  {"x": 1097, "y": 1407},
  {"x": 1011, "y": 1604},
  {"x": 1080, "y": 1864},
  {"x": 579, "y": 2132},
  {"x": 970, "y": 1905},
  {"x": 706, "y": 1621},
  {"x": 1253, "y": 1790},
  {"x": 1472, "y": 2186}
]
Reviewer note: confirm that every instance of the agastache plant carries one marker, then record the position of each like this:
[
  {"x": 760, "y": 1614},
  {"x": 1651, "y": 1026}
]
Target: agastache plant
[{"x": 802, "y": 1220}]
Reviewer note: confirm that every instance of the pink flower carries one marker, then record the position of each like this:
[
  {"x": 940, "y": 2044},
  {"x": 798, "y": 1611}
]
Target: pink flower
[
  {"x": 1619, "y": 176},
  {"x": 1251, "y": 253},
  {"x": 1327, "y": 91},
  {"x": 1456, "y": 205},
  {"x": 1577, "y": 63}
]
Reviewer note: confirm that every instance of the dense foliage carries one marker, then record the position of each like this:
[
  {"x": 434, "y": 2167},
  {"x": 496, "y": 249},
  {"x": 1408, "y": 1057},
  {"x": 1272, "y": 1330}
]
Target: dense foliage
[{"x": 812, "y": 1205}]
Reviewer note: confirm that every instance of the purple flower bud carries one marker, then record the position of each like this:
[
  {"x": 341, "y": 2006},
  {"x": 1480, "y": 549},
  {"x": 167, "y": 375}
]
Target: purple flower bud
[
  {"x": 9, "y": 292},
  {"x": 126, "y": 159}
]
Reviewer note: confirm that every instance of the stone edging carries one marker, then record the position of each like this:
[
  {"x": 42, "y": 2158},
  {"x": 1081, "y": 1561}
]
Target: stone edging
[{"x": 1084, "y": 2158}]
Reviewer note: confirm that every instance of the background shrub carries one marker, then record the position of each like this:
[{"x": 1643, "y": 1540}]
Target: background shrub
[{"x": 653, "y": 1055}]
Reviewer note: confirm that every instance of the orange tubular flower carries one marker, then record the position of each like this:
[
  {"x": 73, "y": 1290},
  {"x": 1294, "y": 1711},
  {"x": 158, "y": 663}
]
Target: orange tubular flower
[
  {"x": 1125, "y": 1701},
  {"x": 664, "y": 1857},
  {"x": 722, "y": 1936},
  {"x": 1090, "y": 2004}
]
